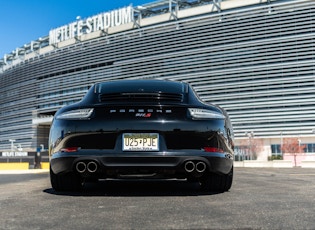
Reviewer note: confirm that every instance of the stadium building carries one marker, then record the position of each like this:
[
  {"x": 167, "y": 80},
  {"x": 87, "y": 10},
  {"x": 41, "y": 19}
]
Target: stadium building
[{"x": 255, "y": 58}]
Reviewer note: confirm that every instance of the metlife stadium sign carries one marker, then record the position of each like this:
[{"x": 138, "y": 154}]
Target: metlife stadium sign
[
  {"x": 14, "y": 154},
  {"x": 99, "y": 22}
]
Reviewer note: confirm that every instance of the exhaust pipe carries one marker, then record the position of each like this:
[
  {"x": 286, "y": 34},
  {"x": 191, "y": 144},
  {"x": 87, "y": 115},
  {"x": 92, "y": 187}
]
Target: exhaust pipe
[
  {"x": 80, "y": 167},
  {"x": 201, "y": 167},
  {"x": 189, "y": 166},
  {"x": 92, "y": 167}
]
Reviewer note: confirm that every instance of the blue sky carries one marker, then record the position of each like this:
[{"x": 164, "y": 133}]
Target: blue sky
[{"x": 22, "y": 21}]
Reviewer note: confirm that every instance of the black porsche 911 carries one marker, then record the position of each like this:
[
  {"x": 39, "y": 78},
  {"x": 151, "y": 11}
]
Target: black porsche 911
[{"x": 141, "y": 129}]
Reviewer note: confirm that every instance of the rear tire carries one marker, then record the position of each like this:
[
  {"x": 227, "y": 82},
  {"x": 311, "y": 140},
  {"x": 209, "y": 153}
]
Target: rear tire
[
  {"x": 216, "y": 183},
  {"x": 65, "y": 182}
]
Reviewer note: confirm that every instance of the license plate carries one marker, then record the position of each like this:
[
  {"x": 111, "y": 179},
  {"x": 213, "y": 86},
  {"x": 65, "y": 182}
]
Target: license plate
[{"x": 140, "y": 142}]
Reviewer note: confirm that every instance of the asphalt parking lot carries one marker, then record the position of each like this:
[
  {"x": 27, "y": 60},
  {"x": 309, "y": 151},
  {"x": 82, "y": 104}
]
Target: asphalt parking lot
[{"x": 260, "y": 198}]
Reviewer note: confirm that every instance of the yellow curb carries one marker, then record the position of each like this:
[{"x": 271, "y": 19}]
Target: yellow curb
[
  {"x": 14, "y": 166},
  {"x": 45, "y": 165}
]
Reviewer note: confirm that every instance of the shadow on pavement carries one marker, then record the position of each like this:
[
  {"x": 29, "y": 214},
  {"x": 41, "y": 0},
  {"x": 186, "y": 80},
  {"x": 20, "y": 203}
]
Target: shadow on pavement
[{"x": 127, "y": 188}]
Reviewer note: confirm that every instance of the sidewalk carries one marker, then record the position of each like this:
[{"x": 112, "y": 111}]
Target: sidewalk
[
  {"x": 274, "y": 164},
  {"x": 27, "y": 171}
]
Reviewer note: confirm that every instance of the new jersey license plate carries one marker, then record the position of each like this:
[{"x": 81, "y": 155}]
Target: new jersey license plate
[{"x": 140, "y": 142}]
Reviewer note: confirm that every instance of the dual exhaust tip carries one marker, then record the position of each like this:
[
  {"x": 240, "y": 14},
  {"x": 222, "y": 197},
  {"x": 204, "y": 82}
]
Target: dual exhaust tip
[
  {"x": 199, "y": 167},
  {"x": 189, "y": 166},
  {"x": 83, "y": 167}
]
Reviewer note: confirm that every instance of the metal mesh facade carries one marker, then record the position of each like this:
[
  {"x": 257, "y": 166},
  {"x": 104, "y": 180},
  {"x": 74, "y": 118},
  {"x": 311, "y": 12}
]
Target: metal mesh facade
[{"x": 256, "y": 61}]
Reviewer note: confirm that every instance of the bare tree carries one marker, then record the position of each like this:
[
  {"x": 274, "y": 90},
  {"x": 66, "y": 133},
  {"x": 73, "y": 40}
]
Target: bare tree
[
  {"x": 293, "y": 146},
  {"x": 252, "y": 147}
]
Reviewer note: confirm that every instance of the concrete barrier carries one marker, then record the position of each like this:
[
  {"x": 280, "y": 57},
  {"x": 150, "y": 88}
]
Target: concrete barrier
[
  {"x": 238, "y": 164},
  {"x": 269, "y": 164},
  {"x": 258, "y": 164},
  {"x": 282, "y": 164},
  {"x": 45, "y": 165},
  {"x": 308, "y": 164},
  {"x": 14, "y": 166}
]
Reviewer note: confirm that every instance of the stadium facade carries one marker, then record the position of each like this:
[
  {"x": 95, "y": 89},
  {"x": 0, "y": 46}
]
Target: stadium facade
[{"x": 255, "y": 58}]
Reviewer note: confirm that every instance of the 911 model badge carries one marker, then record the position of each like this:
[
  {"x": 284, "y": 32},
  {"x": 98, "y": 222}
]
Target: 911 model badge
[{"x": 143, "y": 114}]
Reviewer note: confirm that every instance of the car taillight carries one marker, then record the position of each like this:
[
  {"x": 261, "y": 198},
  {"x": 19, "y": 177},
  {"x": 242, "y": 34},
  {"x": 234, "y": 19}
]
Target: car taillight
[
  {"x": 70, "y": 149},
  {"x": 201, "y": 114},
  {"x": 76, "y": 114},
  {"x": 213, "y": 150}
]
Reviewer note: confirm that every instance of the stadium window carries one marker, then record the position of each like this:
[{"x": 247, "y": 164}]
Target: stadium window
[
  {"x": 310, "y": 148},
  {"x": 276, "y": 149}
]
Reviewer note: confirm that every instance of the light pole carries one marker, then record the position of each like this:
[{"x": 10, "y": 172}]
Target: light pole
[
  {"x": 281, "y": 143},
  {"x": 313, "y": 131},
  {"x": 12, "y": 144},
  {"x": 299, "y": 140},
  {"x": 250, "y": 137},
  {"x": 299, "y": 151}
]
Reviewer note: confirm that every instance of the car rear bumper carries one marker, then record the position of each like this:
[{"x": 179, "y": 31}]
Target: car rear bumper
[{"x": 103, "y": 164}]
